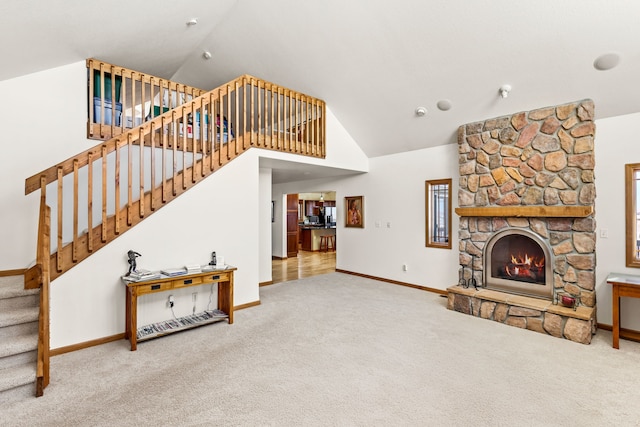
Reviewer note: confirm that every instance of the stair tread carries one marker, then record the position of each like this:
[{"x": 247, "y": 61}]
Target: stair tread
[
  {"x": 19, "y": 315},
  {"x": 17, "y": 345},
  {"x": 17, "y": 376},
  {"x": 13, "y": 286}
]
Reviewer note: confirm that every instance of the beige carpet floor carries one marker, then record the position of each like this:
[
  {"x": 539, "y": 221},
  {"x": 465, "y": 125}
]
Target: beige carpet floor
[{"x": 340, "y": 350}]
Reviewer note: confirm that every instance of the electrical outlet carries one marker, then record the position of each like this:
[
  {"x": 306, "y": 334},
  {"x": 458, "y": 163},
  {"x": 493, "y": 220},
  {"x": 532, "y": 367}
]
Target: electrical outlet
[
  {"x": 171, "y": 301},
  {"x": 405, "y": 267},
  {"x": 194, "y": 296},
  {"x": 604, "y": 233}
]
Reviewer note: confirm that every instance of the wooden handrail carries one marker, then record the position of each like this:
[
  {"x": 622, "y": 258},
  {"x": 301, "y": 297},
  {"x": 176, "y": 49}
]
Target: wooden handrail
[{"x": 178, "y": 148}]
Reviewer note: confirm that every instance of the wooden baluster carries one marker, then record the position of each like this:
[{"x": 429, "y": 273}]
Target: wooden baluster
[
  {"x": 151, "y": 101},
  {"x": 253, "y": 112},
  {"x": 323, "y": 134},
  {"x": 266, "y": 104},
  {"x": 226, "y": 117},
  {"x": 246, "y": 119},
  {"x": 133, "y": 100},
  {"x": 260, "y": 112},
  {"x": 116, "y": 225},
  {"x": 104, "y": 194},
  {"x": 308, "y": 113},
  {"x": 102, "y": 100},
  {"x": 165, "y": 137},
  {"x": 90, "y": 202},
  {"x": 74, "y": 246},
  {"x": 235, "y": 121},
  {"x": 142, "y": 101},
  {"x": 43, "y": 201},
  {"x": 59, "y": 252},
  {"x": 202, "y": 121},
  {"x": 314, "y": 136},
  {"x": 279, "y": 121},
  {"x": 290, "y": 116},
  {"x": 223, "y": 118},
  {"x": 130, "y": 180},
  {"x": 90, "y": 97},
  {"x": 217, "y": 122},
  {"x": 297, "y": 122},
  {"x": 211, "y": 131},
  {"x": 141, "y": 168},
  {"x": 174, "y": 132},
  {"x": 152, "y": 154},
  {"x": 160, "y": 99},
  {"x": 113, "y": 99},
  {"x": 184, "y": 148},
  {"x": 272, "y": 114},
  {"x": 124, "y": 98},
  {"x": 193, "y": 142}
]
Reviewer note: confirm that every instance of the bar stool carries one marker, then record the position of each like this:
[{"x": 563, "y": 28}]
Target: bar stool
[{"x": 327, "y": 242}]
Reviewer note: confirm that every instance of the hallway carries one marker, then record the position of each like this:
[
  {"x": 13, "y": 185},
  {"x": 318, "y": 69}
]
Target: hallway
[{"x": 306, "y": 264}]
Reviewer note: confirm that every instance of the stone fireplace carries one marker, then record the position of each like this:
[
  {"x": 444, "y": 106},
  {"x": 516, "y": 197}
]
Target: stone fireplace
[{"x": 527, "y": 228}]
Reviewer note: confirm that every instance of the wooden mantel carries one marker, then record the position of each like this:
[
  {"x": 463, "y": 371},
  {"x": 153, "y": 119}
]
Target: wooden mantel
[{"x": 528, "y": 211}]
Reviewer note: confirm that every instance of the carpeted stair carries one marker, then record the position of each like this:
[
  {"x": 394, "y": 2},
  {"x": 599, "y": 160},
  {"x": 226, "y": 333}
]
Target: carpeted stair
[{"x": 18, "y": 338}]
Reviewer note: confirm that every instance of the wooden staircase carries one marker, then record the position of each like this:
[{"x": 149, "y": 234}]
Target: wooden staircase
[{"x": 142, "y": 169}]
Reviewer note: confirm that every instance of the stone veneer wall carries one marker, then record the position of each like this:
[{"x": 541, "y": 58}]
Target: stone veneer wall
[{"x": 543, "y": 157}]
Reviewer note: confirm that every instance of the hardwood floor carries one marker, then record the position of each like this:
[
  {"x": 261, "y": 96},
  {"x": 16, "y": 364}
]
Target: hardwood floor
[{"x": 306, "y": 264}]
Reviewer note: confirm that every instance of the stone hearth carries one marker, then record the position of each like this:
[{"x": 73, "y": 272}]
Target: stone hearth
[{"x": 539, "y": 162}]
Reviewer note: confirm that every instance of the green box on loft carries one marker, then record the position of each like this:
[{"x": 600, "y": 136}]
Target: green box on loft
[{"x": 108, "y": 82}]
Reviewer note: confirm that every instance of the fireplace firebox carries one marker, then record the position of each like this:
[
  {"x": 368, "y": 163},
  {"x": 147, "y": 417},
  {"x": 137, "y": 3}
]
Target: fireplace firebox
[{"x": 518, "y": 261}]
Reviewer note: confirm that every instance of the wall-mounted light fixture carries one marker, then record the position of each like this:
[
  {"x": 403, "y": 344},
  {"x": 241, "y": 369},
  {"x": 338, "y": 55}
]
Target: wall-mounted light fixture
[{"x": 504, "y": 90}]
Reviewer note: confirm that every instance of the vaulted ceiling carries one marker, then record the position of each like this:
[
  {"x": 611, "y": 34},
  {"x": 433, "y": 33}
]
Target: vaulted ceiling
[{"x": 374, "y": 62}]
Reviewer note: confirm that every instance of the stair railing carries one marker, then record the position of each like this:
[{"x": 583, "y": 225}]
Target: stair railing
[
  {"x": 121, "y": 98},
  {"x": 140, "y": 170}
]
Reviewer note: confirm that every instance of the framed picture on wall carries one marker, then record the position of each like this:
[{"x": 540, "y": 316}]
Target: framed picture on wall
[{"x": 354, "y": 208}]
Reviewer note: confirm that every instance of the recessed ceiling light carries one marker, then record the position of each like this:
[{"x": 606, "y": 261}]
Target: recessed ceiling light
[
  {"x": 444, "y": 105},
  {"x": 606, "y": 61},
  {"x": 421, "y": 111},
  {"x": 206, "y": 54}
]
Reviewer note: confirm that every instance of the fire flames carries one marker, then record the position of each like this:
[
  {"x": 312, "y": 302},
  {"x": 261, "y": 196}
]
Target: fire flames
[{"x": 525, "y": 267}]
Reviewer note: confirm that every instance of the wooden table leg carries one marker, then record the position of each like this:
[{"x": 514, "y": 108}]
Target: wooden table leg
[
  {"x": 133, "y": 325},
  {"x": 127, "y": 313},
  {"x": 225, "y": 298},
  {"x": 616, "y": 316}
]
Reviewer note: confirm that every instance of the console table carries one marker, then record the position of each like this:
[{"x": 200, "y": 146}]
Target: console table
[
  {"x": 623, "y": 285},
  {"x": 224, "y": 279}
]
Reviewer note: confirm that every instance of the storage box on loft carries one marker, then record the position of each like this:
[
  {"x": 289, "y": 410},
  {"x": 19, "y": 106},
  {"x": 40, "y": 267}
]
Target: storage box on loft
[{"x": 108, "y": 114}]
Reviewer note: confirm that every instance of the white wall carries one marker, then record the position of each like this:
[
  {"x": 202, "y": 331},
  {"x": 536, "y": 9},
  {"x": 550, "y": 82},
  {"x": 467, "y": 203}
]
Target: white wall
[
  {"x": 87, "y": 302},
  {"x": 394, "y": 193},
  {"x": 44, "y": 121},
  {"x": 616, "y": 144},
  {"x": 264, "y": 219}
]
